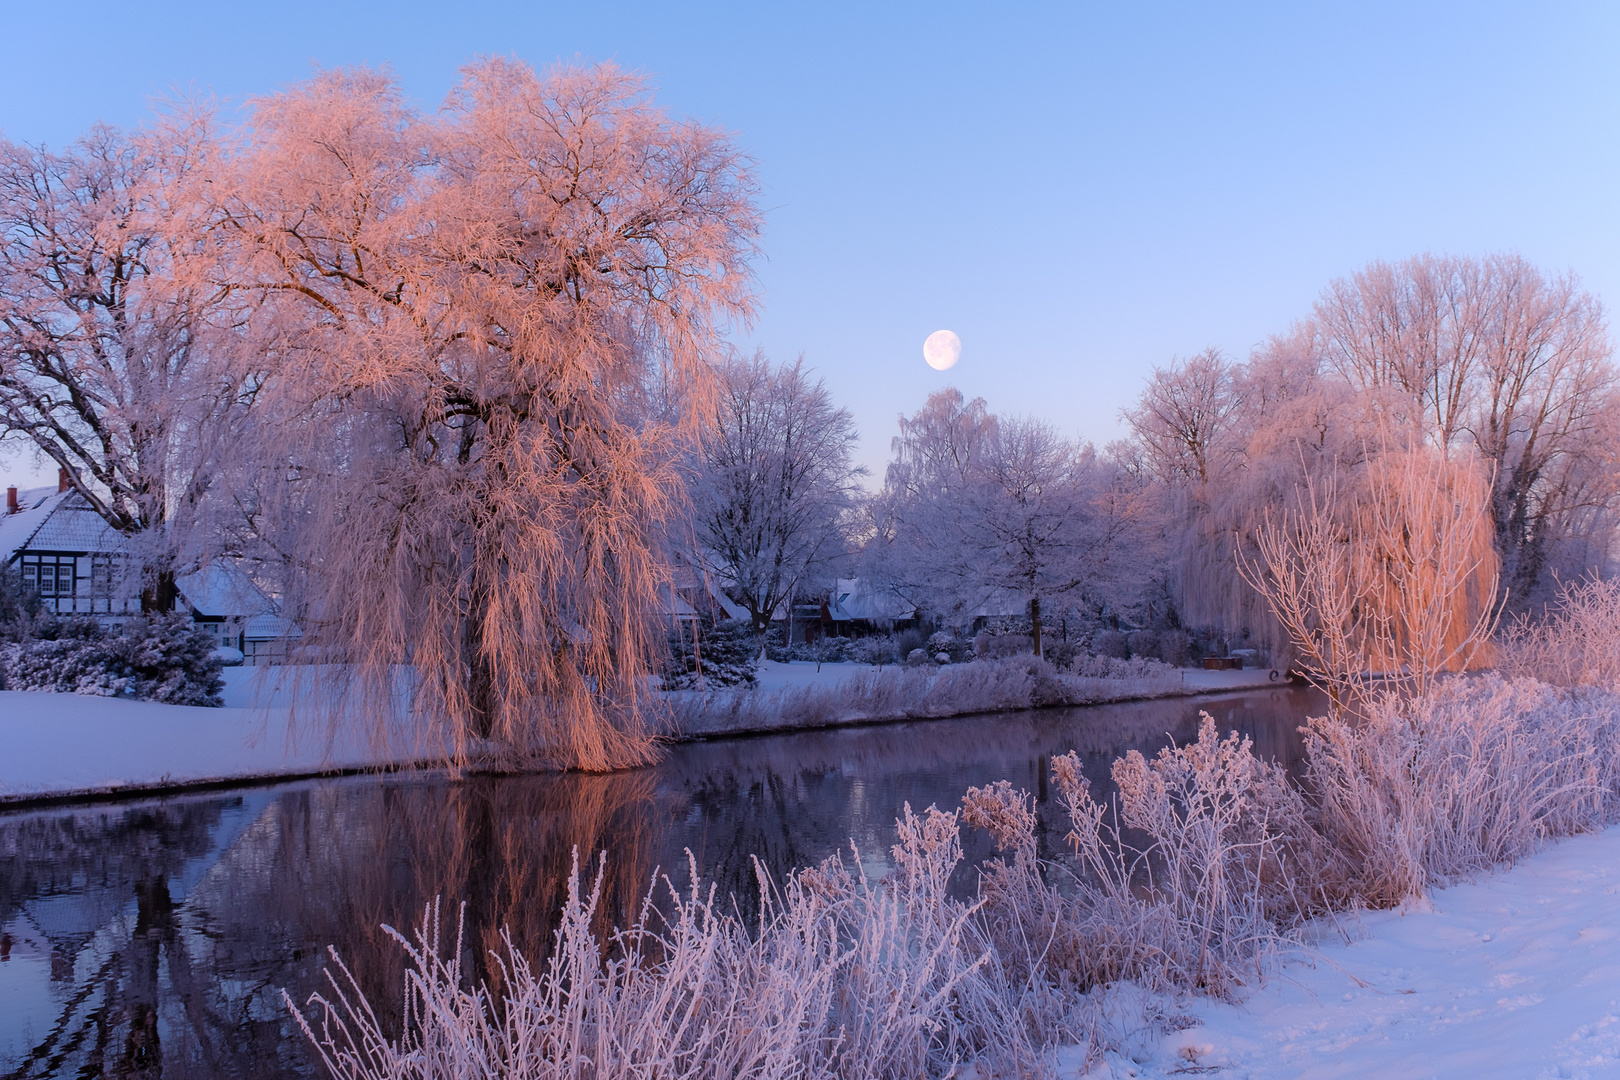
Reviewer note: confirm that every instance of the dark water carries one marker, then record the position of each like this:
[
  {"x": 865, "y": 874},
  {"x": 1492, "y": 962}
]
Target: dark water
[{"x": 153, "y": 938}]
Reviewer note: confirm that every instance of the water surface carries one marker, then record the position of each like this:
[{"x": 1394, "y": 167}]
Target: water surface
[{"x": 154, "y": 937}]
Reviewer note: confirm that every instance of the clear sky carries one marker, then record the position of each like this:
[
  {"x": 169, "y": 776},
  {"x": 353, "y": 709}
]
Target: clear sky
[{"x": 1080, "y": 191}]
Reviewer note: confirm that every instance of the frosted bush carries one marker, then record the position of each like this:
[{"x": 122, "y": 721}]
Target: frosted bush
[
  {"x": 925, "y": 690},
  {"x": 1201, "y": 902},
  {"x": 1578, "y": 645},
  {"x": 1474, "y": 775},
  {"x": 163, "y": 658},
  {"x": 873, "y": 650},
  {"x": 724, "y": 653},
  {"x": 840, "y": 978},
  {"x": 1111, "y": 643},
  {"x": 952, "y": 647},
  {"x": 1144, "y": 643},
  {"x": 989, "y": 646}
]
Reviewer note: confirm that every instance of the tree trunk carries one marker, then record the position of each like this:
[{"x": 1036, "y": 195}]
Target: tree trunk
[
  {"x": 1035, "y": 622},
  {"x": 159, "y": 595},
  {"x": 480, "y": 676}
]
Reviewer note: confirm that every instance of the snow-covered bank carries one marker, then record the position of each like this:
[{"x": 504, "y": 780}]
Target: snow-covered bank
[
  {"x": 54, "y": 745},
  {"x": 796, "y": 696},
  {"x": 1515, "y": 975}
]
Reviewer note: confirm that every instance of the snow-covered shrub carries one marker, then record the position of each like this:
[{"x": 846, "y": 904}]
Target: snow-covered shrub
[
  {"x": 988, "y": 646},
  {"x": 719, "y": 654},
  {"x": 830, "y": 650},
  {"x": 1143, "y": 643},
  {"x": 925, "y": 690},
  {"x": 1578, "y": 645},
  {"x": 1228, "y": 856},
  {"x": 1108, "y": 667},
  {"x": 917, "y": 656},
  {"x": 1475, "y": 775},
  {"x": 19, "y": 606},
  {"x": 74, "y": 662},
  {"x": 1111, "y": 643},
  {"x": 1175, "y": 647},
  {"x": 163, "y": 658},
  {"x": 943, "y": 641},
  {"x": 876, "y": 650},
  {"x": 907, "y": 640}
]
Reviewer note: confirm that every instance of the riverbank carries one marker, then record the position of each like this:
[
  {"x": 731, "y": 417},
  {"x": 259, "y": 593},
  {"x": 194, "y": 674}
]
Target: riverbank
[
  {"x": 67, "y": 746},
  {"x": 1514, "y": 975},
  {"x": 798, "y": 697}
]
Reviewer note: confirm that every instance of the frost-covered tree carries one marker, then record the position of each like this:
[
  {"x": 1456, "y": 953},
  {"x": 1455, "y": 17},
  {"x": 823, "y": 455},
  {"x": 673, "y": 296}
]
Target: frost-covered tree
[
  {"x": 118, "y": 356},
  {"x": 977, "y": 509},
  {"x": 472, "y": 313},
  {"x": 1505, "y": 362},
  {"x": 1483, "y": 360},
  {"x": 774, "y": 484},
  {"x": 1184, "y": 417}
]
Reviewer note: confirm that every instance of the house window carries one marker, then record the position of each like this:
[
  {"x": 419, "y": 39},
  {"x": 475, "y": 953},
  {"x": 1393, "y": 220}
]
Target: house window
[
  {"x": 64, "y": 578},
  {"x": 30, "y": 576}
]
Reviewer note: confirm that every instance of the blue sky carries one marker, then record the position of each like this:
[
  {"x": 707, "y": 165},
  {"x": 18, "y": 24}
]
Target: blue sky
[{"x": 1079, "y": 191}]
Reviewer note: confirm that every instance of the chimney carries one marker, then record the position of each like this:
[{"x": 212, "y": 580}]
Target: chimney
[
  {"x": 12, "y": 505},
  {"x": 62, "y": 483}
]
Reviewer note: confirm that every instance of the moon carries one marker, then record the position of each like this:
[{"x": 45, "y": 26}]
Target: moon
[{"x": 942, "y": 349}]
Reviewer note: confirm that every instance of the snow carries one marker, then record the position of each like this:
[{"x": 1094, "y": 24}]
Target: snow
[
  {"x": 1514, "y": 975},
  {"x": 67, "y": 744},
  {"x": 785, "y": 676}
]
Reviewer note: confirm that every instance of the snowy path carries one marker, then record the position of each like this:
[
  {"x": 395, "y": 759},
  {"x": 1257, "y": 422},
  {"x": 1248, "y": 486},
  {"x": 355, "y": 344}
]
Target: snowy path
[{"x": 1516, "y": 976}]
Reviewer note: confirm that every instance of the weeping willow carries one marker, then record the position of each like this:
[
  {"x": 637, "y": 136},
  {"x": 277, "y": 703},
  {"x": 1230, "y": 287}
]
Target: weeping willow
[{"x": 496, "y": 328}]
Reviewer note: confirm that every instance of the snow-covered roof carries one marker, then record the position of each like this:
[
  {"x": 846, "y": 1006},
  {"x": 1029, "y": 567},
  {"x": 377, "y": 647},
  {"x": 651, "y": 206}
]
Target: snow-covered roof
[
  {"x": 67, "y": 523},
  {"x": 269, "y": 627},
  {"x": 851, "y": 599},
  {"x": 222, "y": 591},
  {"x": 16, "y": 529},
  {"x": 671, "y": 604}
]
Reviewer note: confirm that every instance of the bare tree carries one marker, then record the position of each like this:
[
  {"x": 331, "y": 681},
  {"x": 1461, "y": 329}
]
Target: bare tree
[
  {"x": 117, "y": 357},
  {"x": 977, "y": 509},
  {"x": 1184, "y": 416},
  {"x": 1501, "y": 360},
  {"x": 470, "y": 313},
  {"x": 775, "y": 484},
  {"x": 1033, "y": 522}
]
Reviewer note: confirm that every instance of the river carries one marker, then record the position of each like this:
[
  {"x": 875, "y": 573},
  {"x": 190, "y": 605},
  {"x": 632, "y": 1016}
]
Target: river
[{"x": 153, "y": 937}]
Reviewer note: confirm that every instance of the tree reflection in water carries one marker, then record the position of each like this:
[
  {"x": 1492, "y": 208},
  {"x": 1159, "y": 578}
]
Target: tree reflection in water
[{"x": 153, "y": 938}]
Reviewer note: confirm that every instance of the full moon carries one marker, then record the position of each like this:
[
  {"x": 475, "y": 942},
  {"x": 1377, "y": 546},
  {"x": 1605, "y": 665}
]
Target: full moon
[{"x": 942, "y": 349}]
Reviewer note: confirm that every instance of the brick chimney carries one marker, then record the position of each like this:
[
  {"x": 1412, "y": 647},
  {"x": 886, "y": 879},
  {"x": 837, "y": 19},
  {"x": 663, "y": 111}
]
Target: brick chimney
[
  {"x": 62, "y": 482},
  {"x": 12, "y": 506}
]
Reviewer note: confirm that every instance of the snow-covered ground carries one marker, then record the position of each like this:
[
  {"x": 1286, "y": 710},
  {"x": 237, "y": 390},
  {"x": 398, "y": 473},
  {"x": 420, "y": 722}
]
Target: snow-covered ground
[
  {"x": 1516, "y": 975},
  {"x": 66, "y": 744}
]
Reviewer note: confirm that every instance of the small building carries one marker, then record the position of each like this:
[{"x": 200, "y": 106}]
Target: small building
[
  {"x": 236, "y": 613},
  {"x": 55, "y": 544},
  {"x": 854, "y": 609}
]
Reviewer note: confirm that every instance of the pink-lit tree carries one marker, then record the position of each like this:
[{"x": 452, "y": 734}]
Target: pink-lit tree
[
  {"x": 472, "y": 314},
  {"x": 119, "y": 358}
]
